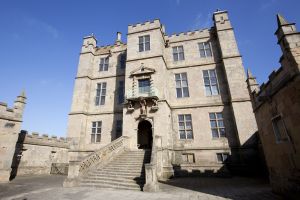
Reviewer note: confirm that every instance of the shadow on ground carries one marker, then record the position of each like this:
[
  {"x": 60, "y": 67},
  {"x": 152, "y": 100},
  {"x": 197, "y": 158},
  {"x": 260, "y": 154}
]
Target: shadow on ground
[{"x": 235, "y": 188}]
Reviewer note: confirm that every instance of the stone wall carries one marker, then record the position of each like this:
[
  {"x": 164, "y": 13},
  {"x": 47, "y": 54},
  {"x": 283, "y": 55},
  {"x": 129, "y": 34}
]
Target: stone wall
[
  {"x": 276, "y": 105},
  {"x": 39, "y": 154}
]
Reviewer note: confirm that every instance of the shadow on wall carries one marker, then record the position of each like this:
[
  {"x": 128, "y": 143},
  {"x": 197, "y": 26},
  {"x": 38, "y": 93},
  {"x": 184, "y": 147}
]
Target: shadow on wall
[{"x": 17, "y": 155}]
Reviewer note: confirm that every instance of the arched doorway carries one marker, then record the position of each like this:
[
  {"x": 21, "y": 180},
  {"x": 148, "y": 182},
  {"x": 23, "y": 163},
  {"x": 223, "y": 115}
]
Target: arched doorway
[{"x": 144, "y": 135}]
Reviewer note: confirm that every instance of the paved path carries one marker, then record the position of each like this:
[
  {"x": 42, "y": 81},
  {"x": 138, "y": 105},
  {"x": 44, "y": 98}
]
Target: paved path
[{"x": 50, "y": 187}]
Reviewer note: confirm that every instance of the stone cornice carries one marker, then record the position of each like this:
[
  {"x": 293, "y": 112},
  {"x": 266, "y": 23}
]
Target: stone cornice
[
  {"x": 186, "y": 40},
  {"x": 10, "y": 119},
  {"x": 103, "y": 77},
  {"x": 96, "y": 113}
]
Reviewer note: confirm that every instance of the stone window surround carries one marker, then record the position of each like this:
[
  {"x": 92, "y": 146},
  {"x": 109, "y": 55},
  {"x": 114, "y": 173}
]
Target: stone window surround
[
  {"x": 216, "y": 120},
  {"x": 144, "y": 43},
  {"x": 181, "y": 87},
  {"x": 104, "y": 64},
  {"x": 178, "y": 53},
  {"x": 210, "y": 84},
  {"x": 135, "y": 82},
  {"x": 96, "y": 132},
  {"x": 205, "y": 49},
  {"x": 279, "y": 137},
  {"x": 185, "y": 129},
  {"x": 100, "y": 97},
  {"x": 188, "y": 158}
]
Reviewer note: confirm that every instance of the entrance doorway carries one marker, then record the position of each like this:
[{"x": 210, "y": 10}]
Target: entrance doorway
[{"x": 144, "y": 136}]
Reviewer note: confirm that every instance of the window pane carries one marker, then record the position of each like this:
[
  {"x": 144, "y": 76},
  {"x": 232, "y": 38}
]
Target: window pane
[
  {"x": 220, "y": 123},
  {"x": 177, "y": 77},
  {"x": 175, "y": 57},
  {"x": 207, "y": 91},
  {"x": 94, "y": 124},
  {"x": 98, "y": 130},
  {"x": 202, "y": 53},
  {"x": 181, "y": 56},
  {"x": 213, "y": 124},
  {"x": 206, "y": 81},
  {"x": 213, "y": 80},
  {"x": 182, "y": 134},
  {"x": 97, "y": 100},
  {"x": 174, "y": 50},
  {"x": 98, "y": 137},
  {"x": 180, "y": 49},
  {"x": 184, "y": 84},
  {"x": 180, "y": 118},
  {"x": 178, "y": 91},
  {"x": 201, "y": 45},
  {"x": 183, "y": 76},
  {"x": 214, "y": 90},
  {"x": 188, "y": 117},
  {"x": 189, "y": 134},
  {"x": 93, "y": 130},
  {"x": 215, "y": 133},
  {"x": 208, "y": 53},
  {"x": 219, "y": 115},
  {"x": 141, "y": 47},
  {"x": 222, "y": 132},
  {"x": 99, "y": 123},
  {"x": 103, "y": 92},
  {"x": 188, "y": 125},
  {"x": 181, "y": 125},
  {"x": 206, "y": 45},
  {"x": 147, "y": 38},
  {"x": 225, "y": 157},
  {"x": 185, "y": 92},
  {"x": 219, "y": 157},
  {"x": 212, "y": 116},
  {"x": 178, "y": 84},
  {"x": 102, "y": 102},
  {"x": 205, "y": 73},
  {"x": 212, "y": 73},
  {"x": 103, "y": 85},
  {"x": 147, "y": 46},
  {"x": 93, "y": 138}
]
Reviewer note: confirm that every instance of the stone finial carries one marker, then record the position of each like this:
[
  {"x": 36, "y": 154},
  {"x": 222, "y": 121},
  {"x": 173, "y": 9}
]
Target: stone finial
[
  {"x": 23, "y": 94},
  {"x": 281, "y": 21},
  {"x": 119, "y": 35},
  {"x": 249, "y": 73}
]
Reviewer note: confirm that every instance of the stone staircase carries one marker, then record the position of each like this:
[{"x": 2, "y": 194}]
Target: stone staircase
[{"x": 126, "y": 171}]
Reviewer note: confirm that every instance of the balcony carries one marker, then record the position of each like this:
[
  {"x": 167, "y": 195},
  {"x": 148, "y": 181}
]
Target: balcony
[{"x": 136, "y": 95}]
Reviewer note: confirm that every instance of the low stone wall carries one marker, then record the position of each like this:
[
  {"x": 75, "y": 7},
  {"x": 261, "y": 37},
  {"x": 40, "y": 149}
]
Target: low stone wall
[{"x": 36, "y": 154}]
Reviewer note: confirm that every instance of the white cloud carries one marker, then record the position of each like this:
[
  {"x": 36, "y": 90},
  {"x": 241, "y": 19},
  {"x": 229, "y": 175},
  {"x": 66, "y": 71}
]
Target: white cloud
[
  {"x": 45, "y": 27},
  {"x": 267, "y": 4}
]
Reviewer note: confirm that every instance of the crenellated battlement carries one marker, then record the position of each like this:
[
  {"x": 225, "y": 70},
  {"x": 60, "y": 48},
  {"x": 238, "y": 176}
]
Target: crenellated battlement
[
  {"x": 44, "y": 140},
  {"x": 148, "y": 25},
  {"x": 189, "y": 35}
]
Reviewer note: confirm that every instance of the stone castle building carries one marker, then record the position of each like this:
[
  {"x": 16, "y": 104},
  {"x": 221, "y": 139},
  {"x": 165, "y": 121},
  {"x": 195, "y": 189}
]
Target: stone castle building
[
  {"x": 276, "y": 104},
  {"x": 182, "y": 96}
]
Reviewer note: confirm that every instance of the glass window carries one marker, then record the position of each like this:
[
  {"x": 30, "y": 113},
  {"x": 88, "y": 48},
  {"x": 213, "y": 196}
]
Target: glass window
[
  {"x": 188, "y": 157},
  {"x": 182, "y": 86},
  {"x": 100, "y": 94},
  {"x": 144, "y": 43},
  {"x": 210, "y": 82},
  {"x": 178, "y": 53},
  {"x": 217, "y": 125},
  {"x": 205, "y": 49},
  {"x": 144, "y": 86},
  {"x": 222, "y": 157},
  {"x": 96, "y": 132},
  {"x": 185, "y": 126},
  {"x": 279, "y": 129},
  {"x": 104, "y": 64}
]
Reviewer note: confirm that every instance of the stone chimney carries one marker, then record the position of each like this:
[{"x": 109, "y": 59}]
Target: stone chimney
[{"x": 119, "y": 38}]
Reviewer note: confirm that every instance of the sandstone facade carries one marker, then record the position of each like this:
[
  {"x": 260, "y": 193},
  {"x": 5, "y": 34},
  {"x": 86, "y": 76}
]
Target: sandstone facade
[
  {"x": 184, "y": 94},
  {"x": 276, "y": 105}
]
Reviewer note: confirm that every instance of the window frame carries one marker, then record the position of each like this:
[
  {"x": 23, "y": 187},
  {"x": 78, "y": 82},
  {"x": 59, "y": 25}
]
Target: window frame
[
  {"x": 143, "y": 91},
  {"x": 176, "y": 53},
  {"x": 210, "y": 85},
  {"x": 144, "y": 43},
  {"x": 104, "y": 64},
  {"x": 185, "y": 129},
  {"x": 216, "y": 120},
  {"x": 100, "y": 97},
  {"x": 222, "y": 154},
  {"x": 181, "y": 88},
  {"x": 279, "y": 137},
  {"x": 205, "y": 49},
  {"x": 188, "y": 156},
  {"x": 96, "y": 135}
]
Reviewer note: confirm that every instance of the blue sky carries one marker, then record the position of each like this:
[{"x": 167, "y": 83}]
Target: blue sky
[{"x": 40, "y": 43}]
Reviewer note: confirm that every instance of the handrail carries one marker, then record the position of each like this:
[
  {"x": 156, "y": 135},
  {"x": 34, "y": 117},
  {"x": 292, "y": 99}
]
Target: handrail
[{"x": 96, "y": 157}]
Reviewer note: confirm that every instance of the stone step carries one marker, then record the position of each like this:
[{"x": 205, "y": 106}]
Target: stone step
[
  {"x": 117, "y": 168},
  {"x": 136, "y": 180},
  {"x": 109, "y": 173},
  {"x": 111, "y": 182},
  {"x": 103, "y": 185},
  {"x": 124, "y": 176}
]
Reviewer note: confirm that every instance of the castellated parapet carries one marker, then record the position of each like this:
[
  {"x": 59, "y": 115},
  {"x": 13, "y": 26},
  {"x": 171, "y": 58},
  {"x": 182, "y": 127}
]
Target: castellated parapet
[
  {"x": 44, "y": 140},
  {"x": 146, "y": 26}
]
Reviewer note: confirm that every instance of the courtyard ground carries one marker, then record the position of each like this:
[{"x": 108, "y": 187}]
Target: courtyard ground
[{"x": 50, "y": 187}]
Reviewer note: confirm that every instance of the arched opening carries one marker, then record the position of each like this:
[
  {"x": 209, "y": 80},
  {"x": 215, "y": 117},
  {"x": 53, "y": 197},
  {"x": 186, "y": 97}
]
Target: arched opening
[{"x": 144, "y": 135}]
